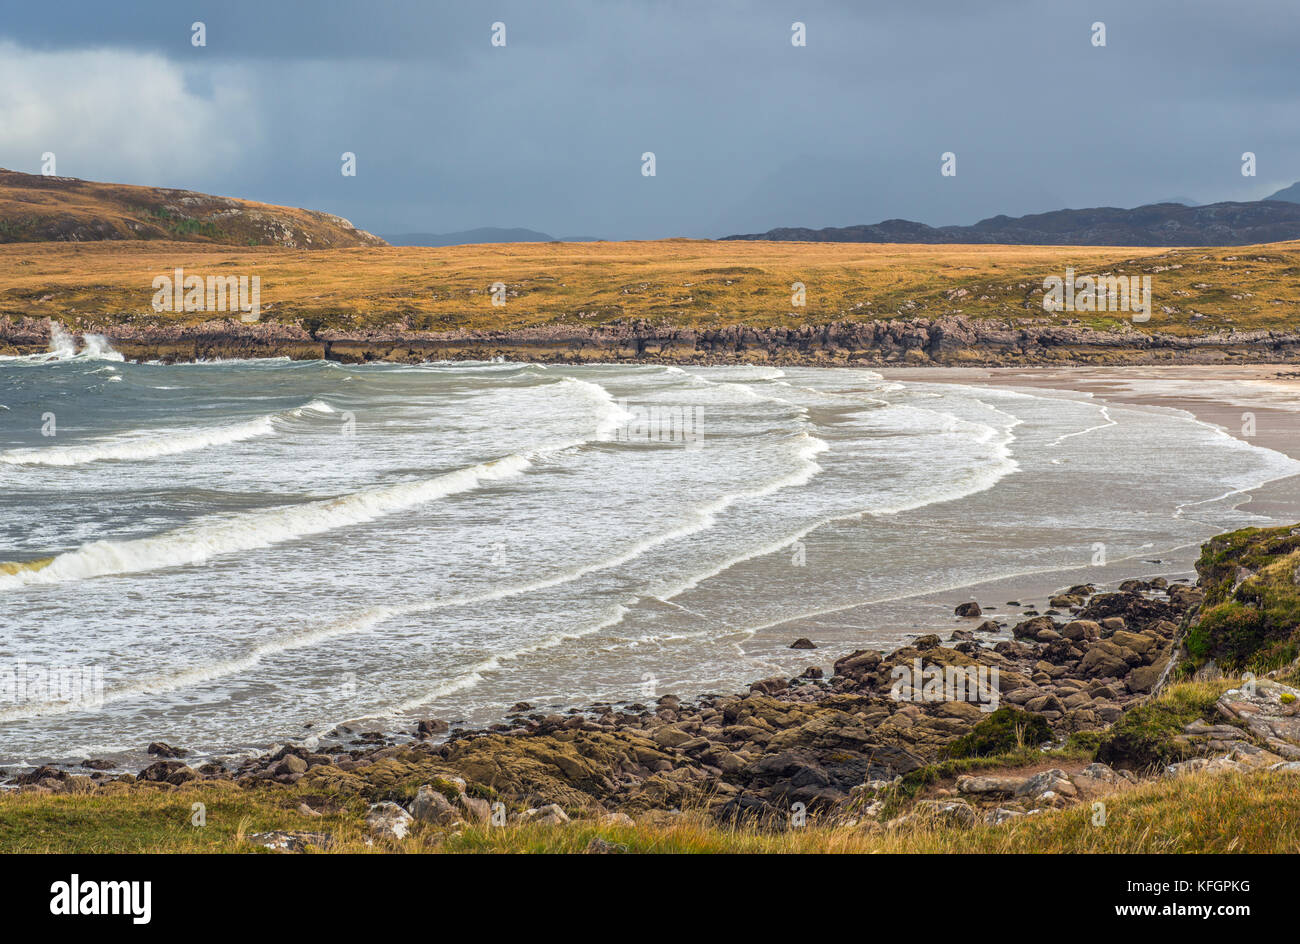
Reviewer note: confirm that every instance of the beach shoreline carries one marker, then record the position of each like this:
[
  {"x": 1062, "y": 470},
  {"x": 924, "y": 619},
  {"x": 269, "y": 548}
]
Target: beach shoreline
[
  {"x": 1082, "y": 648},
  {"x": 1275, "y": 428}
]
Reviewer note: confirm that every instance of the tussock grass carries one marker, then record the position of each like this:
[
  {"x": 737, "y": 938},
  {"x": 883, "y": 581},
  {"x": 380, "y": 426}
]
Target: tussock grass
[
  {"x": 1251, "y": 613},
  {"x": 146, "y": 819},
  {"x": 1149, "y": 735},
  {"x": 1256, "y": 812}
]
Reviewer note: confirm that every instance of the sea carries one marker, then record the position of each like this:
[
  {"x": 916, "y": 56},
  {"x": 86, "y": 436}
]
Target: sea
[{"x": 231, "y": 555}]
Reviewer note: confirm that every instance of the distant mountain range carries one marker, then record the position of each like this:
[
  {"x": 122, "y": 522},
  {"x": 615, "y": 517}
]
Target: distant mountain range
[
  {"x": 35, "y": 208},
  {"x": 1290, "y": 194},
  {"x": 484, "y": 234},
  {"x": 1157, "y": 224},
  {"x": 38, "y": 208}
]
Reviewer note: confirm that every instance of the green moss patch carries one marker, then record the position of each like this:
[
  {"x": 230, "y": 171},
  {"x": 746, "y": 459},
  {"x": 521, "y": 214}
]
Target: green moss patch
[
  {"x": 1004, "y": 731},
  {"x": 1251, "y": 614}
]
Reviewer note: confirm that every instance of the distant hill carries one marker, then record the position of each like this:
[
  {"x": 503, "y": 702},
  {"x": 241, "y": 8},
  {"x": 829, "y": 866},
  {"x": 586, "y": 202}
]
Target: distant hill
[
  {"x": 483, "y": 235},
  {"x": 469, "y": 237},
  {"x": 1158, "y": 224},
  {"x": 1290, "y": 194},
  {"x": 36, "y": 208}
]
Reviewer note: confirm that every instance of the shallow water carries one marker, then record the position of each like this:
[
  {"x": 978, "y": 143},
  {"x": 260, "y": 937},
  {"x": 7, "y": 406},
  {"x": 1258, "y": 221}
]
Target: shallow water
[{"x": 243, "y": 548}]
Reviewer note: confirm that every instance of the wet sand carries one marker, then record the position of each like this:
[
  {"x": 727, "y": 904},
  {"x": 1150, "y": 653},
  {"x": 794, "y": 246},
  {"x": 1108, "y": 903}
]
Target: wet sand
[{"x": 1225, "y": 397}]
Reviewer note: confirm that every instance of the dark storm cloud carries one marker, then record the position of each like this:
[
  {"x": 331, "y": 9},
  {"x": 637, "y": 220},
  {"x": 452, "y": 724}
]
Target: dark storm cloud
[{"x": 749, "y": 132}]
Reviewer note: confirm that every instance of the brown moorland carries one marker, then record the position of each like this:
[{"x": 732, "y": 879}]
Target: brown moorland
[{"x": 694, "y": 284}]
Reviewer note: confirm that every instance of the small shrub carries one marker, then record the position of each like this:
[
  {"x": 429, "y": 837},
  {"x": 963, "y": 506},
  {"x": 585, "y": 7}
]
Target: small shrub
[{"x": 1005, "y": 730}]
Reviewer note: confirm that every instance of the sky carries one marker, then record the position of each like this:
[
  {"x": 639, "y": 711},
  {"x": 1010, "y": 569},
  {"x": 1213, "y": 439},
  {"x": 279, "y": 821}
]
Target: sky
[{"x": 749, "y": 131}]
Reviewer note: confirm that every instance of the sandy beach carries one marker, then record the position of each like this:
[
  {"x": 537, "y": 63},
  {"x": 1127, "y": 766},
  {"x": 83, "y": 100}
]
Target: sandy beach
[{"x": 1222, "y": 396}]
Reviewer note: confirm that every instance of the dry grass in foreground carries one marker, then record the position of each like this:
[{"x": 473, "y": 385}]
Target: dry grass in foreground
[{"x": 1201, "y": 813}]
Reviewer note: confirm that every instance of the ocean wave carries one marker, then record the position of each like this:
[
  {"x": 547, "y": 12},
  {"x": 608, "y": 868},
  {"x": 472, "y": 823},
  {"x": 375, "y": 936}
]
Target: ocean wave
[
  {"x": 197, "y": 543},
  {"x": 805, "y": 448},
  {"x": 702, "y": 518},
  {"x": 138, "y": 447},
  {"x": 63, "y": 347},
  {"x": 997, "y": 465},
  {"x": 153, "y": 444}
]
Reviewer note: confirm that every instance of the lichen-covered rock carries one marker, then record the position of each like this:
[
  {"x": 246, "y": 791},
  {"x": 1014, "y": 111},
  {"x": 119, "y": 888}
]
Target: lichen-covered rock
[
  {"x": 432, "y": 806},
  {"x": 1270, "y": 711},
  {"x": 387, "y": 820}
]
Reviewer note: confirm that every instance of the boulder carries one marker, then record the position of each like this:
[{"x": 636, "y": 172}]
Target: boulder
[
  {"x": 1044, "y": 703},
  {"x": 291, "y": 764},
  {"x": 1000, "y": 815},
  {"x": 671, "y": 736},
  {"x": 1048, "y": 781},
  {"x": 1081, "y": 629},
  {"x": 432, "y": 806},
  {"x": 163, "y": 770},
  {"x": 387, "y": 820},
  {"x": 770, "y": 686},
  {"x": 1270, "y": 712},
  {"x": 476, "y": 809},
  {"x": 858, "y": 664},
  {"x": 549, "y": 815},
  {"x": 1138, "y": 642},
  {"x": 990, "y": 786},
  {"x": 1143, "y": 678},
  {"x": 1030, "y": 628},
  {"x": 1104, "y": 659},
  {"x": 282, "y": 841}
]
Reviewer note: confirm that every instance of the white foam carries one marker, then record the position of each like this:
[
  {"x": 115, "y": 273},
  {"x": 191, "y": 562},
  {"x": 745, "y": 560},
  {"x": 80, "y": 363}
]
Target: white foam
[
  {"x": 198, "y": 542},
  {"x": 63, "y": 347},
  {"x": 702, "y": 518},
  {"x": 208, "y": 538},
  {"x": 140, "y": 445}
]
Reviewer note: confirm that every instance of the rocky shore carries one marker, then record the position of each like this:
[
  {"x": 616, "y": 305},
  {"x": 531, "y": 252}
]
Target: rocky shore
[
  {"x": 949, "y": 341},
  {"x": 1070, "y": 700}
]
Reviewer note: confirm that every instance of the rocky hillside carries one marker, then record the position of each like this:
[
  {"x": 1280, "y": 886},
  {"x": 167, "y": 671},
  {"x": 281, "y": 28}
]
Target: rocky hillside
[
  {"x": 1251, "y": 616},
  {"x": 1160, "y": 224},
  {"x": 36, "y": 208}
]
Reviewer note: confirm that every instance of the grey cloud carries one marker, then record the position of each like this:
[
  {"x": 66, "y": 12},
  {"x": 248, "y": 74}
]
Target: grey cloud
[{"x": 749, "y": 132}]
